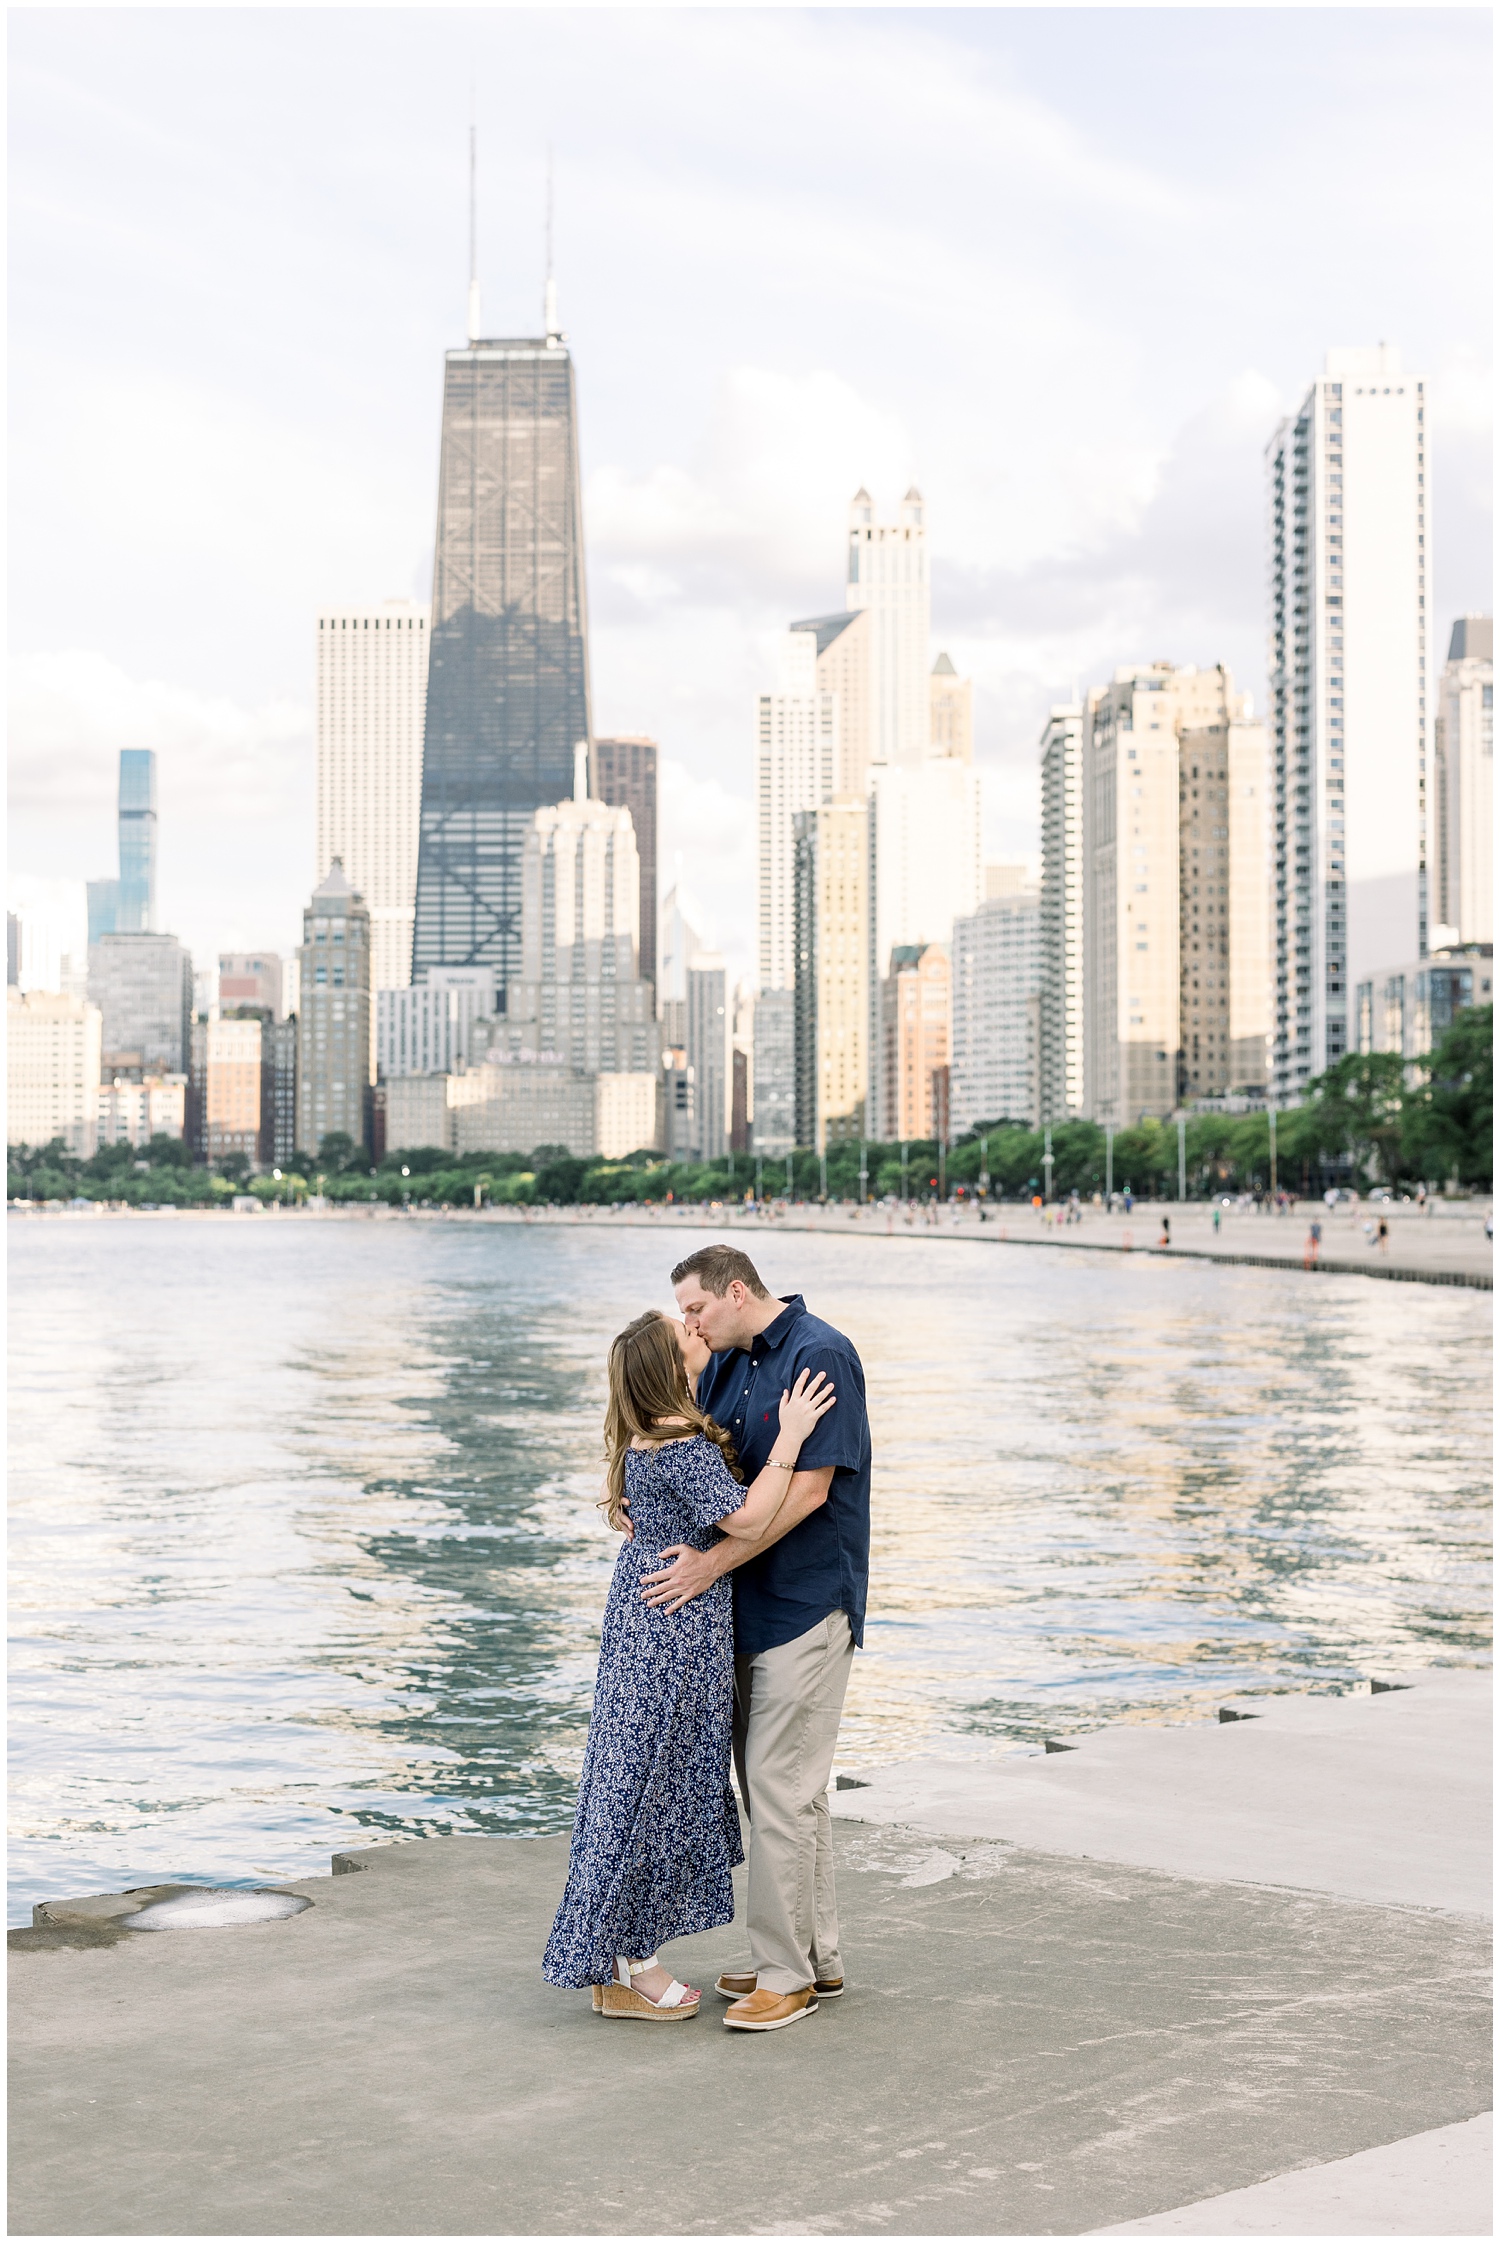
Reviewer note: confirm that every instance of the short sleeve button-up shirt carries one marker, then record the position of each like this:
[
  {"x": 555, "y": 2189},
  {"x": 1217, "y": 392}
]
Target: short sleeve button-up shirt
[{"x": 823, "y": 1564}]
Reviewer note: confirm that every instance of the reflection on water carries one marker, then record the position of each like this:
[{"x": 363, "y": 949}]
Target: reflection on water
[{"x": 304, "y": 1543}]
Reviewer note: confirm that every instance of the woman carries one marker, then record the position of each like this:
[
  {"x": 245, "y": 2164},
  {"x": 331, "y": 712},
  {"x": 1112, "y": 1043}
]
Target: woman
[{"x": 656, "y": 1833}]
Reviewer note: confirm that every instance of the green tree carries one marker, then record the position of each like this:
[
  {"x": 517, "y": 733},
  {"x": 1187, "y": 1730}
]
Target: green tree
[
  {"x": 1358, "y": 1107},
  {"x": 1448, "y": 1122},
  {"x": 338, "y": 1153},
  {"x": 558, "y": 1175}
]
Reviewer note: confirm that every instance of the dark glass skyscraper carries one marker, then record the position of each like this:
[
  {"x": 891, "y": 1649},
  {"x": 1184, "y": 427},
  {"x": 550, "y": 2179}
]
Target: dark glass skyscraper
[{"x": 508, "y": 681}]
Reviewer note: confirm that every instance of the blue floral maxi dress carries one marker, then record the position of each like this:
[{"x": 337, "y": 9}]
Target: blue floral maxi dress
[{"x": 656, "y": 1832}]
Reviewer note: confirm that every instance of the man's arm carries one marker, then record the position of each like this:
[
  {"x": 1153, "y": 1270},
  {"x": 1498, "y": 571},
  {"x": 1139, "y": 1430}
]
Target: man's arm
[{"x": 692, "y": 1571}]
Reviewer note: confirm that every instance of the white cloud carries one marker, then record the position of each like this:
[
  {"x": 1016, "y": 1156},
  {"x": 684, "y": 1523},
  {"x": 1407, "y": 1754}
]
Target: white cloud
[
  {"x": 233, "y": 793},
  {"x": 1023, "y": 257},
  {"x": 707, "y": 843}
]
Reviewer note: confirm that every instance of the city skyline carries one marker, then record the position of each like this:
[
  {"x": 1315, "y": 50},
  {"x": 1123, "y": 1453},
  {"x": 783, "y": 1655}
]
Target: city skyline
[{"x": 1131, "y": 518}]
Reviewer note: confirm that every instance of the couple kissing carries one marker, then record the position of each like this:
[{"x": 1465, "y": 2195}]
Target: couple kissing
[{"x": 738, "y": 1470}]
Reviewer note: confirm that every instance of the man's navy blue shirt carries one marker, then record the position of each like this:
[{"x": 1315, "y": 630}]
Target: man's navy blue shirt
[{"x": 823, "y": 1565}]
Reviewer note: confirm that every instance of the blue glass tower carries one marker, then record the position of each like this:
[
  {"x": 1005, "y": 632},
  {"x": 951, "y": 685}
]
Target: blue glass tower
[{"x": 135, "y": 909}]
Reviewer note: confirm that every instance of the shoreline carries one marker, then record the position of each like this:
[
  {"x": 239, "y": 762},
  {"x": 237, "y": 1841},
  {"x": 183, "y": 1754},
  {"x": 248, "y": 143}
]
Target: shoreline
[{"x": 845, "y": 1220}]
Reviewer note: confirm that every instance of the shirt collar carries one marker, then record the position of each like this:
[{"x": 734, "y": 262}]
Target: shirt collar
[{"x": 779, "y": 1326}]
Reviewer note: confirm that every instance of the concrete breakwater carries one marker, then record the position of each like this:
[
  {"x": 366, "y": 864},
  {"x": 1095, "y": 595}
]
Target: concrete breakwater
[{"x": 1232, "y": 1975}]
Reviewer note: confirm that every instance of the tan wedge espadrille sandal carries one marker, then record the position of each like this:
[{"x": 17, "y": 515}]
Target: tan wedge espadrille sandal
[{"x": 620, "y": 1999}]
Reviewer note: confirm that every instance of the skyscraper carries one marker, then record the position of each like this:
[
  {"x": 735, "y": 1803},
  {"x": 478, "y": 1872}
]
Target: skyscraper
[
  {"x": 831, "y": 868},
  {"x": 135, "y": 913},
  {"x": 797, "y": 751},
  {"x": 372, "y": 697},
  {"x": 774, "y": 1071},
  {"x": 333, "y": 1022},
  {"x": 625, "y": 776},
  {"x": 1060, "y": 1056},
  {"x": 708, "y": 1052},
  {"x": 951, "y": 702},
  {"x": 915, "y": 1044},
  {"x": 1175, "y": 848},
  {"x": 143, "y": 986},
  {"x": 126, "y": 905},
  {"x": 1464, "y": 805},
  {"x": 508, "y": 677},
  {"x": 888, "y": 576},
  {"x": 997, "y": 976},
  {"x": 924, "y": 873},
  {"x": 1351, "y": 559},
  {"x": 840, "y": 657},
  {"x": 578, "y": 993},
  {"x": 52, "y": 1072}
]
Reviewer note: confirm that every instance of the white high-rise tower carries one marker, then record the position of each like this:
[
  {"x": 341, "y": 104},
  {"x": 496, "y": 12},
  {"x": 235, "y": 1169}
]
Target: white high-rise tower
[
  {"x": 796, "y": 765},
  {"x": 372, "y": 701},
  {"x": 1351, "y": 573},
  {"x": 889, "y": 576}
]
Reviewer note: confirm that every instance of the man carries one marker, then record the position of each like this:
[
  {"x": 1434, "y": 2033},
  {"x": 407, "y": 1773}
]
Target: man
[{"x": 799, "y": 1613}]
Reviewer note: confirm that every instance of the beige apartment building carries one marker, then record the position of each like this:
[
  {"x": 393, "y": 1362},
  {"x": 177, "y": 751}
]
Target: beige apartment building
[
  {"x": 516, "y": 1105},
  {"x": 916, "y": 1021},
  {"x": 52, "y": 1074},
  {"x": 229, "y": 1060},
  {"x": 1176, "y": 861},
  {"x": 831, "y": 881}
]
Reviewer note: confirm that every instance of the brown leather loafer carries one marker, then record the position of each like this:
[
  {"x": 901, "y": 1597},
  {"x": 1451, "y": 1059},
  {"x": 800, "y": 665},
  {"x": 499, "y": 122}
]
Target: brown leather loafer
[{"x": 766, "y": 2012}]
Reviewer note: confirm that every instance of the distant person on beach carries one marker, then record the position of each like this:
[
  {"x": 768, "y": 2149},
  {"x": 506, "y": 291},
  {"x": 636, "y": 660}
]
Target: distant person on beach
[
  {"x": 656, "y": 1834},
  {"x": 799, "y": 1613}
]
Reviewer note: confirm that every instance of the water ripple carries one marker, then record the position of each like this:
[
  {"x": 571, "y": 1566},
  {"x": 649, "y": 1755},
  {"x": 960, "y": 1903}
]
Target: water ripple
[{"x": 304, "y": 1544}]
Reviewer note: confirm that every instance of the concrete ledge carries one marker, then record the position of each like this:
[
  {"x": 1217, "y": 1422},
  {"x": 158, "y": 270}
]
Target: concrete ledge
[
  {"x": 1029, "y": 2045},
  {"x": 1381, "y": 1798},
  {"x": 1440, "y": 2183}
]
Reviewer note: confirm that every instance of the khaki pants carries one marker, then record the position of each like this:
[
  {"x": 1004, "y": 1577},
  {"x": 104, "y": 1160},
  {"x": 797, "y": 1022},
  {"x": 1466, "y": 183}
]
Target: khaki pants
[{"x": 787, "y": 1704}]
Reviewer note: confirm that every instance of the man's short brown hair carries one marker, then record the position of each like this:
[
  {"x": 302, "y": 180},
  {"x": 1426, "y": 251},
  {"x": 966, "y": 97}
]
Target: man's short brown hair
[{"x": 717, "y": 1267}]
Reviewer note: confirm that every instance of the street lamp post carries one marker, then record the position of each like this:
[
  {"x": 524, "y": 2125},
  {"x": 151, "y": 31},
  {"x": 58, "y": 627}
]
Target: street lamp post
[
  {"x": 1046, "y": 1165},
  {"x": 984, "y": 1168},
  {"x": 905, "y": 1193},
  {"x": 788, "y": 1175},
  {"x": 864, "y": 1173},
  {"x": 1181, "y": 1156},
  {"x": 1271, "y": 1118},
  {"x": 823, "y": 1174},
  {"x": 1109, "y": 1164},
  {"x": 760, "y": 1176}
]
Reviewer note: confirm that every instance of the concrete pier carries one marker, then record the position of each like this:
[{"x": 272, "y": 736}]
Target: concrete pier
[{"x": 1056, "y": 2022}]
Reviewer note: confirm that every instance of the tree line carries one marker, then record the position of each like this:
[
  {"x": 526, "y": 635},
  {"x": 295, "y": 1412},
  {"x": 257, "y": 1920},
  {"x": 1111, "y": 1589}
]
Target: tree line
[{"x": 1362, "y": 1123}]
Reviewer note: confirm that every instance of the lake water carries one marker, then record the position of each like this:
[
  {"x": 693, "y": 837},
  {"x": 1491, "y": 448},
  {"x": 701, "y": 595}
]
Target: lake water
[{"x": 304, "y": 1548}]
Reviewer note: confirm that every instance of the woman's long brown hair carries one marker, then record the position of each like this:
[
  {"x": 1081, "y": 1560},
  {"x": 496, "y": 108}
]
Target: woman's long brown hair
[{"x": 648, "y": 1382}]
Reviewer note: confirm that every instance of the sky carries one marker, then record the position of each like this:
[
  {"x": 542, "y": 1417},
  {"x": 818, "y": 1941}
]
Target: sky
[{"x": 1065, "y": 268}]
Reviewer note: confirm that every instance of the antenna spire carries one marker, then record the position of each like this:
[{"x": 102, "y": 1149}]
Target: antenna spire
[
  {"x": 473, "y": 226},
  {"x": 549, "y": 293}
]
